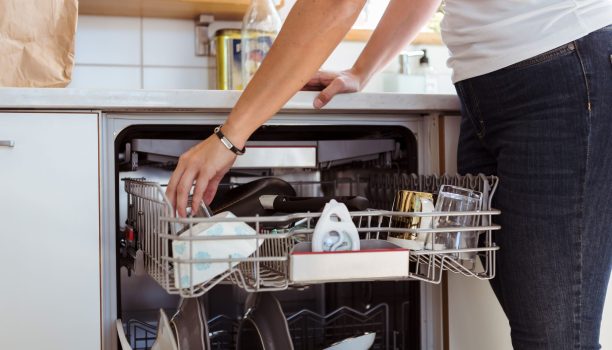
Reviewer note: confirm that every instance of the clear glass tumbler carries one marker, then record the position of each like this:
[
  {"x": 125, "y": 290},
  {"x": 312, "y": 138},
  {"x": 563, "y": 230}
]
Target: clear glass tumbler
[{"x": 456, "y": 199}]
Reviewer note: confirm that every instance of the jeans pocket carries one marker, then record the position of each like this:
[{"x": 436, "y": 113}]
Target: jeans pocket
[
  {"x": 544, "y": 57},
  {"x": 469, "y": 106}
]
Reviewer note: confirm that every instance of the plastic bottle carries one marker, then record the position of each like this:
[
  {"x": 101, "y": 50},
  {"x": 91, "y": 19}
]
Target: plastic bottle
[
  {"x": 260, "y": 25},
  {"x": 430, "y": 77}
]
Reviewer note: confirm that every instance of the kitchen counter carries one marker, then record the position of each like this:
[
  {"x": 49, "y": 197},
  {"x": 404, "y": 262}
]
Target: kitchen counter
[{"x": 196, "y": 100}]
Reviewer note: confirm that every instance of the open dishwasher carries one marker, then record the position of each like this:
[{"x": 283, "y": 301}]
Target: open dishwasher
[{"x": 320, "y": 305}]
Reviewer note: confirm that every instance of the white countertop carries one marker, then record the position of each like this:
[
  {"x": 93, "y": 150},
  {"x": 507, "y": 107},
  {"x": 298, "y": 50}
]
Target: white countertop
[{"x": 120, "y": 100}]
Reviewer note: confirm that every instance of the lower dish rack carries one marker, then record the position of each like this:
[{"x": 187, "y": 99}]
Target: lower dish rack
[
  {"x": 271, "y": 259},
  {"x": 308, "y": 329}
]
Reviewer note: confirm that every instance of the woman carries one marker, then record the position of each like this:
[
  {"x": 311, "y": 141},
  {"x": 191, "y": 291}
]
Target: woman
[{"x": 535, "y": 83}]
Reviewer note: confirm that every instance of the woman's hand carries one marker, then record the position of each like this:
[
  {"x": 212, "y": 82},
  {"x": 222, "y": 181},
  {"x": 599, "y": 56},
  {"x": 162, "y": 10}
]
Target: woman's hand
[
  {"x": 332, "y": 83},
  {"x": 205, "y": 163}
]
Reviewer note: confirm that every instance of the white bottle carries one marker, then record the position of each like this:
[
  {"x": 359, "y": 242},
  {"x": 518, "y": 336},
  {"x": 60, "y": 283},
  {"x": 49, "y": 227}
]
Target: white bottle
[
  {"x": 335, "y": 230},
  {"x": 260, "y": 25}
]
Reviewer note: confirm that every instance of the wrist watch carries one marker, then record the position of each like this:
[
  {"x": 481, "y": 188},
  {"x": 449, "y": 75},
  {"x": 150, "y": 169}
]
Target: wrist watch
[{"x": 227, "y": 143}]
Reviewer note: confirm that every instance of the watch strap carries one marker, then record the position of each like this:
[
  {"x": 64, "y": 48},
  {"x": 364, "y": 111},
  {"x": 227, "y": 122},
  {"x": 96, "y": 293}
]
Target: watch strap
[{"x": 227, "y": 143}]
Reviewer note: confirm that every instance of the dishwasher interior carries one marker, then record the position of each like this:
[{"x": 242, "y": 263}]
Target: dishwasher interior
[{"x": 326, "y": 160}]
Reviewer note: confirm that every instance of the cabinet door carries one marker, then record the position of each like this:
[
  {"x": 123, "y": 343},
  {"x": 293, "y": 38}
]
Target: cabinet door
[{"x": 49, "y": 231}]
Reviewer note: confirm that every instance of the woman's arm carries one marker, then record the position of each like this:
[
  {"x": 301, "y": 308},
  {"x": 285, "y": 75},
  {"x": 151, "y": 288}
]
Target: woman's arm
[
  {"x": 310, "y": 33},
  {"x": 399, "y": 25}
]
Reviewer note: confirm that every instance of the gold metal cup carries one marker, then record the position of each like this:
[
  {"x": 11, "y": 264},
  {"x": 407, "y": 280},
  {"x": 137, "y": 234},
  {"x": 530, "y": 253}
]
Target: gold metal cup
[{"x": 409, "y": 201}]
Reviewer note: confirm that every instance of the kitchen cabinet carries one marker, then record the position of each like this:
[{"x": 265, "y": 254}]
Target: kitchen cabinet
[{"x": 49, "y": 231}]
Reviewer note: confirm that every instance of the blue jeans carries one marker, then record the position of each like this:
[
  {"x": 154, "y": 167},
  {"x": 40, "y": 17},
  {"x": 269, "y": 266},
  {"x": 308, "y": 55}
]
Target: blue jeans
[{"x": 544, "y": 127}]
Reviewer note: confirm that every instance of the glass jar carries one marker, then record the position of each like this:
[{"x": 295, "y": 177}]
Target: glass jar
[{"x": 260, "y": 26}]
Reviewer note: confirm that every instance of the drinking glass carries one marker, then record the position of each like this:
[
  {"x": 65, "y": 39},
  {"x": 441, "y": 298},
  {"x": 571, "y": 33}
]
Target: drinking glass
[{"x": 453, "y": 198}]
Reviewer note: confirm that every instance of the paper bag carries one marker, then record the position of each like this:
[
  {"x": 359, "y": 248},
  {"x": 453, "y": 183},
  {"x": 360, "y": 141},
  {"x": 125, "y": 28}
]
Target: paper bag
[{"x": 37, "y": 42}]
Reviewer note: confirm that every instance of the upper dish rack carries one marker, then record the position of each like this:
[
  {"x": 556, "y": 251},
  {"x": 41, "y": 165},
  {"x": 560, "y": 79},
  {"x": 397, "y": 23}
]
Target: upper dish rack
[{"x": 270, "y": 267}]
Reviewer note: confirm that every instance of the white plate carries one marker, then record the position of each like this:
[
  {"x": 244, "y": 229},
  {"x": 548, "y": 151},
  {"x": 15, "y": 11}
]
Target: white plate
[
  {"x": 362, "y": 342},
  {"x": 165, "y": 338}
]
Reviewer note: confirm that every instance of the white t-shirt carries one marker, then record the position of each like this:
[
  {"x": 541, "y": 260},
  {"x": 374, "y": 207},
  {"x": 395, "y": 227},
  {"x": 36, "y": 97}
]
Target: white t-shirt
[{"x": 486, "y": 35}]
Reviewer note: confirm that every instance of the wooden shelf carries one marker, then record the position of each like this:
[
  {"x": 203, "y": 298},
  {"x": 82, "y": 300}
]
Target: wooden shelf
[
  {"x": 423, "y": 38},
  {"x": 231, "y": 10},
  {"x": 185, "y": 9}
]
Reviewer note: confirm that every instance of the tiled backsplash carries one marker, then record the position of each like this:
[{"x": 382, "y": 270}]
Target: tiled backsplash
[
  {"x": 139, "y": 53},
  {"x": 108, "y": 40},
  {"x": 153, "y": 53}
]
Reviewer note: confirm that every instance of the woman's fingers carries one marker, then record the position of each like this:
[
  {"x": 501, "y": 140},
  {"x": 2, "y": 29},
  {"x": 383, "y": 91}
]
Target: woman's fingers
[
  {"x": 182, "y": 191},
  {"x": 206, "y": 164},
  {"x": 337, "y": 83},
  {"x": 172, "y": 184},
  {"x": 336, "y": 86},
  {"x": 314, "y": 81},
  {"x": 198, "y": 193},
  {"x": 320, "y": 80},
  {"x": 211, "y": 188}
]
